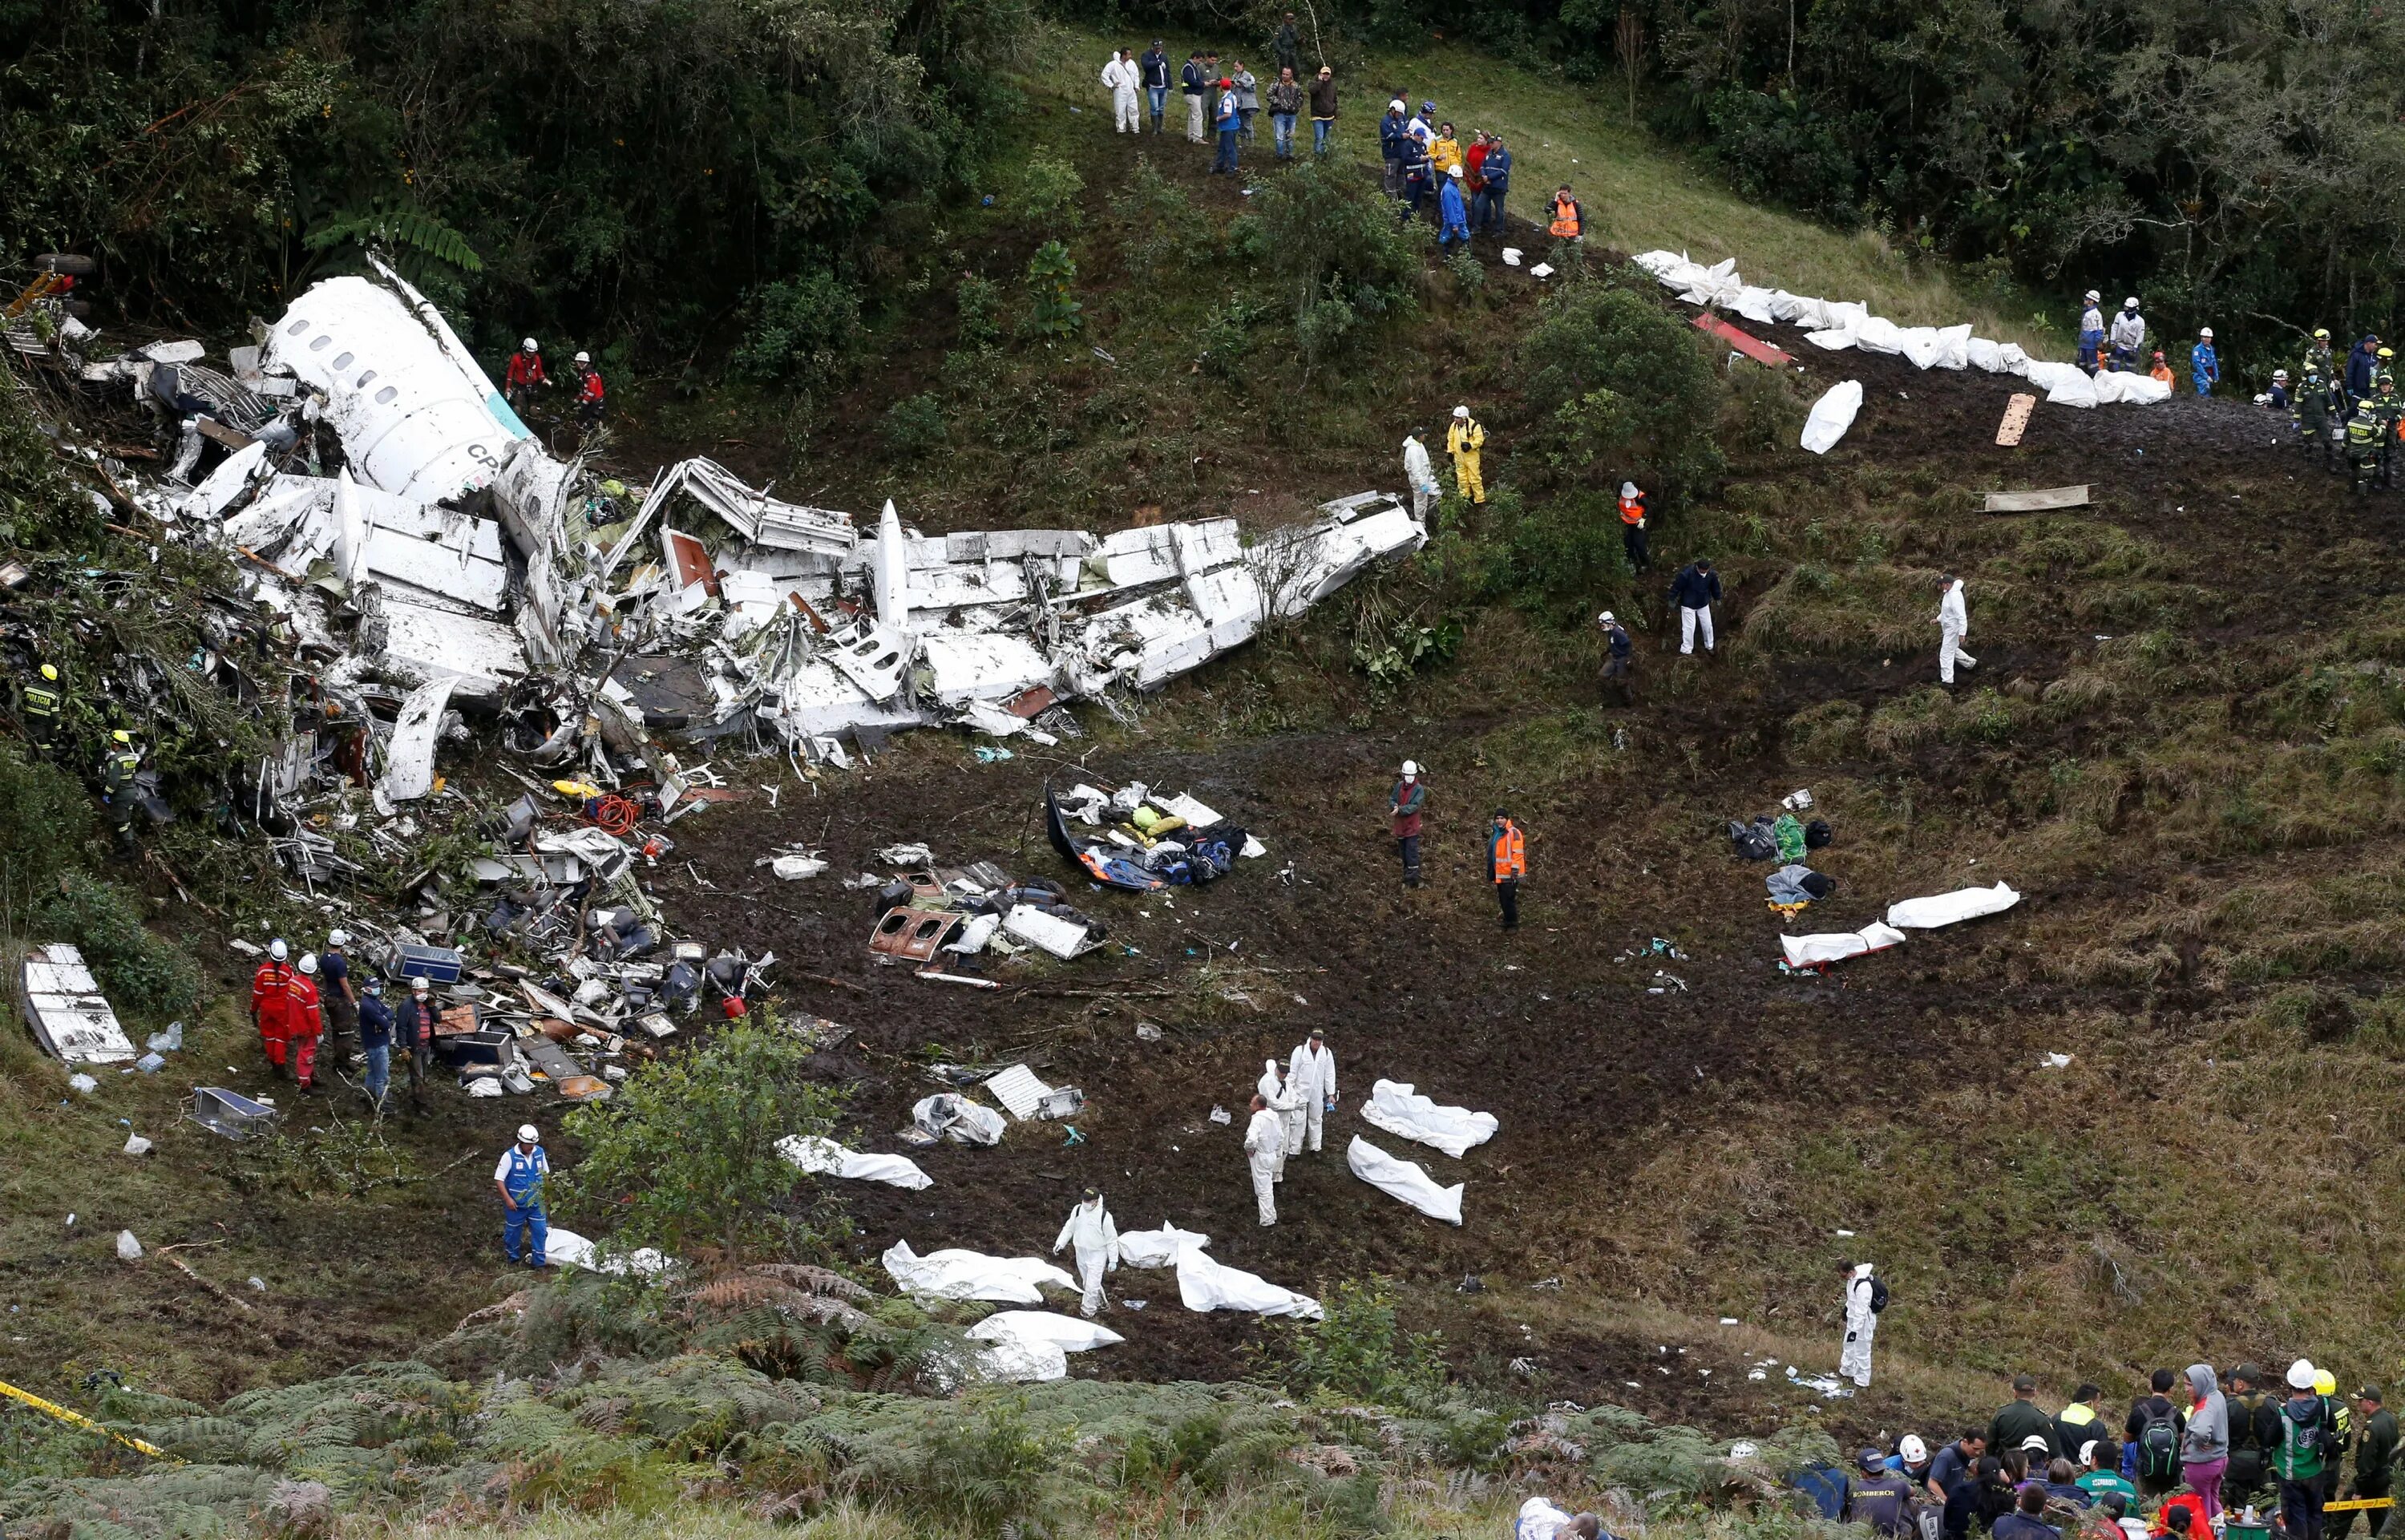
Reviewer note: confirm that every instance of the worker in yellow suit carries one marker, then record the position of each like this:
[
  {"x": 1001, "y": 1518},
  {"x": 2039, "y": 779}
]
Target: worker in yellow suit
[{"x": 1463, "y": 440}]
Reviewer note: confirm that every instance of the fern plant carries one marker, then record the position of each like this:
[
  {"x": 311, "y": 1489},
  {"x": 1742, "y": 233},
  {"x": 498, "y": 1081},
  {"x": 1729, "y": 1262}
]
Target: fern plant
[{"x": 422, "y": 248}]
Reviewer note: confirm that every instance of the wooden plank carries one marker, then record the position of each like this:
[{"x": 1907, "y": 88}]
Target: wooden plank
[
  {"x": 2037, "y": 502},
  {"x": 1752, "y": 346},
  {"x": 2016, "y": 416}
]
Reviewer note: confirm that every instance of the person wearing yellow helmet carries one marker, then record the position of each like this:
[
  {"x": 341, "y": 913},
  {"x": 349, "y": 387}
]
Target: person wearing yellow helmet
[
  {"x": 117, "y": 768},
  {"x": 41, "y": 699}
]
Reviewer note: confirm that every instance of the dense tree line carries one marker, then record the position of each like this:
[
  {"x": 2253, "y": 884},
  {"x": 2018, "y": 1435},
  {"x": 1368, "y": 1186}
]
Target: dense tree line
[{"x": 659, "y": 169}]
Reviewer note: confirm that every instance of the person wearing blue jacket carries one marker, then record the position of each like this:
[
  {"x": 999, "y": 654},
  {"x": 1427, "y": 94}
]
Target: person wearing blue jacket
[
  {"x": 1495, "y": 178},
  {"x": 1228, "y": 120},
  {"x": 1694, "y": 590},
  {"x": 2203, "y": 363},
  {"x": 1452, "y": 217},
  {"x": 2362, "y": 368},
  {"x": 1154, "y": 66},
  {"x": 2092, "y": 330}
]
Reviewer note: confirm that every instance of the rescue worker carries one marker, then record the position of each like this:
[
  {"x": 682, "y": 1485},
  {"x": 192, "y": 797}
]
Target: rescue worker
[
  {"x": 1154, "y": 69},
  {"x": 1452, "y": 212},
  {"x": 1694, "y": 590},
  {"x": 2318, "y": 359},
  {"x": 1417, "y": 168},
  {"x": 376, "y": 1041},
  {"x": 1495, "y": 185},
  {"x": 413, "y": 1033},
  {"x": 2203, "y": 363},
  {"x": 1288, "y": 45},
  {"x": 40, "y": 703},
  {"x": 1264, "y": 1137},
  {"x": 1121, "y": 78},
  {"x": 2389, "y": 409},
  {"x": 2253, "y": 1433},
  {"x": 1632, "y": 528},
  {"x": 525, "y": 374},
  {"x": 2161, "y": 371},
  {"x": 1855, "y": 1360},
  {"x": 518, "y": 1178},
  {"x": 1393, "y": 147},
  {"x": 2362, "y": 370},
  {"x": 1507, "y": 857},
  {"x": 2129, "y": 335},
  {"x": 1248, "y": 98},
  {"x": 304, "y": 1022},
  {"x": 1953, "y": 625},
  {"x": 342, "y": 1000},
  {"x": 117, "y": 768},
  {"x": 1463, "y": 440},
  {"x": 1195, "y": 85},
  {"x": 2298, "y": 1459},
  {"x": 1096, "y": 1235},
  {"x": 1445, "y": 151},
  {"x": 590, "y": 395},
  {"x": 1227, "y": 122},
  {"x": 270, "y": 1004},
  {"x": 2311, "y": 411},
  {"x": 2091, "y": 331},
  {"x": 2363, "y": 448},
  {"x": 1404, "y": 805},
  {"x": 2280, "y": 399},
  {"x": 1620, "y": 659},
  {"x": 1878, "y": 1497},
  {"x": 2372, "y": 1457},
  {"x": 1311, "y": 1080},
  {"x": 2080, "y": 1423},
  {"x": 1273, "y": 1089},
  {"x": 1569, "y": 219},
  {"x": 2341, "y": 1421},
  {"x": 1421, "y": 474}
]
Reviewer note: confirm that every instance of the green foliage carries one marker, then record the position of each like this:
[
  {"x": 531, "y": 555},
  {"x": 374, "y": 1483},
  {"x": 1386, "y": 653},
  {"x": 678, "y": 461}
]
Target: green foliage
[
  {"x": 1228, "y": 333},
  {"x": 1469, "y": 273},
  {"x": 802, "y": 332},
  {"x": 978, "y": 301},
  {"x": 1405, "y": 648},
  {"x": 140, "y": 973},
  {"x": 1360, "y": 1351},
  {"x": 38, "y": 509},
  {"x": 993, "y": 1472},
  {"x": 1164, "y": 231},
  {"x": 1339, "y": 259},
  {"x": 1560, "y": 559},
  {"x": 686, "y": 1155},
  {"x": 1052, "y": 313},
  {"x": 1045, "y": 195},
  {"x": 1622, "y": 389},
  {"x": 45, "y": 818},
  {"x": 385, "y": 229},
  {"x": 915, "y": 424}
]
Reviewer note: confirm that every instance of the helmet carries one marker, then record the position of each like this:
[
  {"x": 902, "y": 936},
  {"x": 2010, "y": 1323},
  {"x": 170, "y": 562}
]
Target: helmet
[
  {"x": 527, "y": 1132},
  {"x": 338, "y": 938},
  {"x": 1604, "y": 619},
  {"x": 2279, "y": 374},
  {"x": 277, "y": 951},
  {"x": 308, "y": 962},
  {"x": 2207, "y": 333},
  {"x": 1628, "y": 489},
  {"x": 50, "y": 673},
  {"x": 531, "y": 346},
  {"x": 2093, "y": 296},
  {"x": 1395, "y": 106},
  {"x": 1410, "y": 766},
  {"x": 583, "y": 357},
  {"x": 418, "y": 985},
  {"x": 1428, "y": 107},
  {"x": 2300, "y": 1375},
  {"x": 1912, "y": 1448},
  {"x": 1460, "y": 410},
  {"x": 2321, "y": 333},
  {"x": 2130, "y": 304},
  {"x": 121, "y": 736},
  {"x": 2325, "y": 1382},
  {"x": 1454, "y": 170}
]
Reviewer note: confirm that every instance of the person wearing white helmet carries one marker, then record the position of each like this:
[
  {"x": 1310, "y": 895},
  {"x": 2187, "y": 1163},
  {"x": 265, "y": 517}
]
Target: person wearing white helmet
[
  {"x": 1620, "y": 658},
  {"x": 1463, "y": 440},
  {"x": 518, "y": 1178},
  {"x": 342, "y": 997},
  {"x": 413, "y": 1033},
  {"x": 270, "y": 1004},
  {"x": 1404, "y": 805},
  {"x": 1272, "y": 1088},
  {"x": 1096, "y": 1235},
  {"x": 2092, "y": 330},
  {"x": 1633, "y": 511},
  {"x": 2302, "y": 1455},
  {"x": 2203, "y": 363},
  {"x": 2129, "y": 336},
  {"x": 590, "y": 396},
  {"x": 1393, "y": 147},
  {"x": 1420, "y": 473},
  {"x": 525, "y": 374},
  {"x": 304, "y": 1021}
]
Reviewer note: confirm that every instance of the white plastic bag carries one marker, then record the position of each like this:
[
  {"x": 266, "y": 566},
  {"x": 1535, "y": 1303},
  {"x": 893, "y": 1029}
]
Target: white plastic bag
[
  {"x": 1832, "y": 415},
  {"x": 127, "y": 1249}
]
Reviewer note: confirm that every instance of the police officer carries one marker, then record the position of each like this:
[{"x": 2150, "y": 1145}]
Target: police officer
[
  {"x": 2388, "y": 407},
  {"x": 117, "y": 768},
  {"x": 2363, "y": 436},
  {"x": 518, "y": 1178},
  {"x": 41, "y": 702},
  {"x": 2318, "y": 359},
  {"x": 2310, "y": 409}
]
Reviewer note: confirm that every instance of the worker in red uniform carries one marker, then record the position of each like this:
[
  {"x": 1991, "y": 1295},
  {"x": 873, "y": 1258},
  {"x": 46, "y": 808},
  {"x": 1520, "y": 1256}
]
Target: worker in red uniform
[
  {"x": 589, "y": 393},
  {"x": 304, "y": 1021},
  {"x": 271, "y": 999},
  {"x": 526, "y": 372}
]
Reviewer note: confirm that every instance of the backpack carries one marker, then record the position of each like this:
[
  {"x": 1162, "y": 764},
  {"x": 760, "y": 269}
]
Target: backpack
[
  {"x": 1752, "y": 841},
  {"x": 1818, "y": 833},
  {"x": 2159, "y": 1444},
  {"x": 1878, "y": 1294},
  {"x": 1819, "y": 884},
  {"x": 1790, "y": 835}
]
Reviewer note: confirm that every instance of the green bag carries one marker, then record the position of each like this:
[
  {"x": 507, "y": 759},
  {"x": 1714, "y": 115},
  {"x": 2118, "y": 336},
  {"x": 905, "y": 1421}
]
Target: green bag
[{"x": 1790, "y": 835}]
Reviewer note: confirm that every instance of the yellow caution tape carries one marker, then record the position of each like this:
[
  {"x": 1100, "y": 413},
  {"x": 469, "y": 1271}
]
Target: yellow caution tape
[
  {"x": 2353, "y": 1504},
  {"x": 78, "y": 1420}
]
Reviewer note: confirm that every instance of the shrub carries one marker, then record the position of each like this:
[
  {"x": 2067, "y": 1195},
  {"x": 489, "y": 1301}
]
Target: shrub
[
  {"x": 1621, "y": 388},
  {"x": 802, "y": 330},
  {"x": 980, "y": 303},
  {"x": 1361, "y": 1351},
  {"x": 1339, "y": 259},
  {"x": 1045, "y": 195},
  {"x": 1560, "y": 559},
  {"x": 1165, "y": 230},
  {"x": 44, "y": 817},
  {"x": 914, "y": 425},
  {"x": 1052, "y": 313},
  {"x": 136, "y": 969}
]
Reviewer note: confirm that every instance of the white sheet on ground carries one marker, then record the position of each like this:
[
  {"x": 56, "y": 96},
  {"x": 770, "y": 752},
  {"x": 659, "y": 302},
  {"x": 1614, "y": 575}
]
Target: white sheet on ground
[
  {"x": 1836, "y": 946},
  {"x": 1405, "y": 1181},
  {"x": 1832, "y": 415},
  {"x": 1071, "y": 1335},
  {"x": 1205, "y": 1285},
  {"x": 2064, "y": 383},
  {"x": 1946, "y": 909},
  {"x": 1395, "y": 1107},
  {"x": 825, "y": 1158},
  {"x": 567, "y": 1248},
  {"x": 1538, "y": 1521},
  {"x": 1017, "y": 1360},
  {"x": 1157, "y": 1248},
  {"x": 956, "y": 1274}
]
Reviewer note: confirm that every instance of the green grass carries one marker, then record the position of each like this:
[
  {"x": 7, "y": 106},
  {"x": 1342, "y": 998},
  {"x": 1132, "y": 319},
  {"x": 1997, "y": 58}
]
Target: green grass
[{"x": 1638, "y": 193}]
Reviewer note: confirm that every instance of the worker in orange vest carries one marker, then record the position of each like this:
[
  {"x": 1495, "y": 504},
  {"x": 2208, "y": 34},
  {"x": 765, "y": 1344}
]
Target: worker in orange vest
[
  {"x": 1506, "y": 851},
  {"x": 270, "y": 998},
  {"x": 1569, "y": 219},
  {"x": 2161, "y": 371},
  {"x": 304, "y": 1021},
  {"x": 1632, "y": 528}
]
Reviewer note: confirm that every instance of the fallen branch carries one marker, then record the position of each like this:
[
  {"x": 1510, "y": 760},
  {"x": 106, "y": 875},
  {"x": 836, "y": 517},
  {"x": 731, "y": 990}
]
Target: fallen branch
[{"x": 832, "y": 983}]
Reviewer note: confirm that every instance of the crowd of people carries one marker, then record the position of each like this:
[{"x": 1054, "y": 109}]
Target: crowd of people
[
  {"x": 2188, "y": 1459},
  {"x": 294, "y": 1005}
]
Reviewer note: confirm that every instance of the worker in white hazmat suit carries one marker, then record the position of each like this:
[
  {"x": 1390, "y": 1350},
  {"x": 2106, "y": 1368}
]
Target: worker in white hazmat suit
[
  {"x": 1311, "y": 1079},
  {"x": 1096, "y": 1235},
  {"x": 1122, "y": 77},
  {"x": 1282, "y": 1102},
  {"x": 1854, "y": 1359},
  {"x": 1953, "y": 625},
  {"x": 1264, "y": 1141},
  {"x": 1420, "y": 472}
]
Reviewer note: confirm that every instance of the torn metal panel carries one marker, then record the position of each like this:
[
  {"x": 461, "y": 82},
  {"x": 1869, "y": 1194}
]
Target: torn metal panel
[
  {"x": 64, "y": 1006},
  {"x": 481, "y": 655},
  {"x": 455, "y": 573},
  {"x": 751, "y": 514},
  {"x": 912, "y": 934},
  {"x": 874, "y": 659},
  {"x": 229, "y": 480},
  {"x": 409, "y": 754},
  {"x": 964, "y": 666}
]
